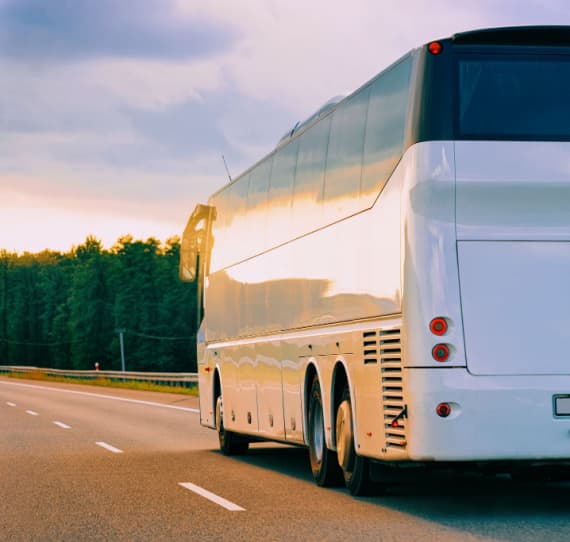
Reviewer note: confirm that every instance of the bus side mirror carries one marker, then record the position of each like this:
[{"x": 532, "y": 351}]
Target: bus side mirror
[
  {"x": 188, "y": 269},
  {"x": 194, "y": 245}
]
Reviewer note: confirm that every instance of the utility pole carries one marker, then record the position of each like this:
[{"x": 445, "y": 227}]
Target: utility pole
[{"x": 120, "y": 332}]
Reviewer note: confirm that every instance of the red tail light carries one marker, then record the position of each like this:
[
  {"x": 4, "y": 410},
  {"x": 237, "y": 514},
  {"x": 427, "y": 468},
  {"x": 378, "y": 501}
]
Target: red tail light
[
  {"x": 443, "y": 410},
  {"x": 438, "y": 326},
  {"x": 440, "y": 352}
]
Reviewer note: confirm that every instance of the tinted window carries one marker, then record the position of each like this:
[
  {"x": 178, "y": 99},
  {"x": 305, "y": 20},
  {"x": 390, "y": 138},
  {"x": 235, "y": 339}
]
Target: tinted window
[
  {"x": 309, "y": 177},
  {"x": 257, "y": 205},
  {"x": 281, "y": 193},
  {"x": 344, "y": 157},
  {"x": 514, "y": 97},
  {"x": 385, "y": 127},
  {"x": 236, "y": 223},
  {"x": 231, "y": 206},
  {"x": 237, "y": 200}
]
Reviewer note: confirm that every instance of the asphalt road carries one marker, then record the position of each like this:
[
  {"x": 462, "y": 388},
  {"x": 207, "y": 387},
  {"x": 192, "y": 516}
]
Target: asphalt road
[{"x": 112, "y": 466}]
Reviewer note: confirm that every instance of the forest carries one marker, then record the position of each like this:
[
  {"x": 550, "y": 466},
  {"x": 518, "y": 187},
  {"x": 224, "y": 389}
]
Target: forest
[{"x": 65, "y": 310}]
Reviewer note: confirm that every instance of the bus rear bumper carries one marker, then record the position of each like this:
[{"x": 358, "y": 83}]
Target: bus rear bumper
[{"x": 493, "y": 418}]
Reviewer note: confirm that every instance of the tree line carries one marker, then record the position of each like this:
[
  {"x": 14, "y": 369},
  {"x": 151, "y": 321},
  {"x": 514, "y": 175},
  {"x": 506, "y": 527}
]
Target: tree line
[{"x": 65, "y": 310}]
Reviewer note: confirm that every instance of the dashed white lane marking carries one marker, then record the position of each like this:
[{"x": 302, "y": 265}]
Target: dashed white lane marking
[
  {"x": 62, "y": 425},
  {"x": 102, "y": 396},
  {"x": 9, "y": 403},
  {"x": 32, "y": 413},
  {"x": 228, "y": 505},
  {"x": 109, "y": 447}
]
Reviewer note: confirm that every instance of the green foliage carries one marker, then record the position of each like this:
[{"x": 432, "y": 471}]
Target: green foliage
[{"x": 65, "y": 310}]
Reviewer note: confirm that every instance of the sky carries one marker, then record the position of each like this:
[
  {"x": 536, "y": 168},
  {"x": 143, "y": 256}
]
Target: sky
[{"x": 115, "y": 114}]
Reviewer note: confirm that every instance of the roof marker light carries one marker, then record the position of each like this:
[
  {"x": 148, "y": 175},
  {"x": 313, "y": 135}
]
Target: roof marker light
[{"x": 435, "y": 47}]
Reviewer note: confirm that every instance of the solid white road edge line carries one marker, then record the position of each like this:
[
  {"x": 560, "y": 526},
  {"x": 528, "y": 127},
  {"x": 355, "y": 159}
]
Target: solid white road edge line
[
  {"x": 102, "y": 396},
  {"x": 62, "y": 425},
  {"x": 9, "y": 403},
  {"x": 109, "y": 447},
  {"x": 228, "y": 505},
  {"x": 32, "y": 413}
]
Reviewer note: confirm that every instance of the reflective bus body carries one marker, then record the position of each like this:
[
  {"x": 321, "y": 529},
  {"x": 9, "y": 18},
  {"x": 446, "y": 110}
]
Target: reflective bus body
[{"x": 391, "y": 283}]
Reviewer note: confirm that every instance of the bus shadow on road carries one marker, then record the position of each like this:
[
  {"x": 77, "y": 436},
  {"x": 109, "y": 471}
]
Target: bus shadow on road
[
  {"x": 471, "y": 502},
  {"x": 493, "y": 506},
  {"x": 287, "y": 460},
  {"x": 442, "y": 492}
]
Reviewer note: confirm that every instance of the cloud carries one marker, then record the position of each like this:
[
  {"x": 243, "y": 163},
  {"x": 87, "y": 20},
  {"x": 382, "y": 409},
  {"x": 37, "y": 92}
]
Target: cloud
[
  {"x": 59, "y": 226},
  {"x": 122, "y": 110},
  {"x": 72, "y": 30},
  {"x": 223, "y": 122},
  {"x": 152, "y": 84},
  {"x": 299, "y": 54}
]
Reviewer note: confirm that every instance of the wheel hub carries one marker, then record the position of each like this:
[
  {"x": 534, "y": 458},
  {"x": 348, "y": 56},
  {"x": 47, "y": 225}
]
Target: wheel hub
[
  {"x": 344, "y": 436},
  {"x": 317, "y": 435}
]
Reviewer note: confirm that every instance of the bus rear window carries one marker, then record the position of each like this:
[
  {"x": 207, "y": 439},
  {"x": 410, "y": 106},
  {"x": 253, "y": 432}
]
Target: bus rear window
[{"x": 516, "y": 97}]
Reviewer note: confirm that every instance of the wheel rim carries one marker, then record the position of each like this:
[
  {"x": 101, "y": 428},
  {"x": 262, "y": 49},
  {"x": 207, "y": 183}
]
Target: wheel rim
[
  {"x": 317, "y": 433},
  {"x": 344, "y": 436},
  {"x": 220, "y": 421}
]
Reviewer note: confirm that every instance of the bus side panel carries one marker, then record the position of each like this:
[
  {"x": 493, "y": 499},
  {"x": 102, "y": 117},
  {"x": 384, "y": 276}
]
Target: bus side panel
[
  {"x": 230, "y": 385},
  {"x": 366, "y": 394},
  {"x": 247, "y": 419},
  {"x": 344, "y": 272},
  {"x": 270, "y": 399},
  {"x": 294, "y": 368},
  {"x": 430, "y": 271},
  {"x": 205, "y": 372}
]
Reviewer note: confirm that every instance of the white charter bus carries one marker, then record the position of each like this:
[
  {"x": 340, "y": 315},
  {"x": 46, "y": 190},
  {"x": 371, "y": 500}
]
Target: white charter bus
[{"x": 392, "y": 282}]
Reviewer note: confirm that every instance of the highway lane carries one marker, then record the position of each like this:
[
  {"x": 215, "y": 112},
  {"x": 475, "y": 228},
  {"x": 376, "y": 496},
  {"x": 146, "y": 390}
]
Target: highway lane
[{"x": 58, "y": 484}]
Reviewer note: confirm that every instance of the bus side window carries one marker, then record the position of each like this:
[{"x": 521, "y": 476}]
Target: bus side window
[
  {"x": 236, "y": 247},
  {"x": 344, "y": 158},
  {"x": 309, "y": 178},
  {"x": 257, "y": 206},
  {"x": 385, "y": 129},
  {"x": 281, "y": 193}
]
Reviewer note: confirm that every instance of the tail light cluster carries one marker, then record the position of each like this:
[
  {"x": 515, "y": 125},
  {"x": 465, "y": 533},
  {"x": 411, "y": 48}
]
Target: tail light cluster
[{"x": 439, "y": 327}]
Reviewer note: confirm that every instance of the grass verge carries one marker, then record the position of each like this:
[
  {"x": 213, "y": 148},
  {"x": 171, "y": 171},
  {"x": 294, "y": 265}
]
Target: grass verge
[{"x": 108, "y": 383}]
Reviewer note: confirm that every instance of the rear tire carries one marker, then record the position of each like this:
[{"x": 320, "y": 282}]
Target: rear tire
[
  {"x": 324, "y": 465},
  {"x": 355, "y": 468},
  {"x": 230, "y": 443}
]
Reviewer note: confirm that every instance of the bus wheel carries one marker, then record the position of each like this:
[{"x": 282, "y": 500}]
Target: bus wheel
[
  {"x": 324, "y": 465},
  {"x": 356, "y": 469},
  {"x": 230, "y": 443}
]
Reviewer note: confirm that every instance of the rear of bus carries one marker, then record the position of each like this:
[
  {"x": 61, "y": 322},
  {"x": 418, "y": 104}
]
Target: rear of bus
[{"x": 486, "y": 240}]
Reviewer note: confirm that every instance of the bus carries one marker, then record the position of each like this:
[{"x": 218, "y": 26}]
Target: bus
[{"x": 390, "y": 285}]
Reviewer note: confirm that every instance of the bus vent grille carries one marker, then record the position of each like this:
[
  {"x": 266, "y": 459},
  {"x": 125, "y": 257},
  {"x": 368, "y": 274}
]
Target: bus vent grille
[
  {"x": 395, "y": 419},
  {"x": 370, "y": 347}
]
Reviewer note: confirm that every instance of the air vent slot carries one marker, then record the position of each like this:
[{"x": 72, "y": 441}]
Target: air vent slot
[
  {"x": 370, "y": 347},
  {"x": 390, "y": 355}
]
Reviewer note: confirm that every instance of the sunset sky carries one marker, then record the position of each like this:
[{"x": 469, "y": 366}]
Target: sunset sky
[{"x": 115, "y": 115}]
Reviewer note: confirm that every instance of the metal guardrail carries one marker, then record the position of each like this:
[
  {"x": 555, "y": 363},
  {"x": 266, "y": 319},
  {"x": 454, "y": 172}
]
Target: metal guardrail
[{"x": 186, "y": 380}]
